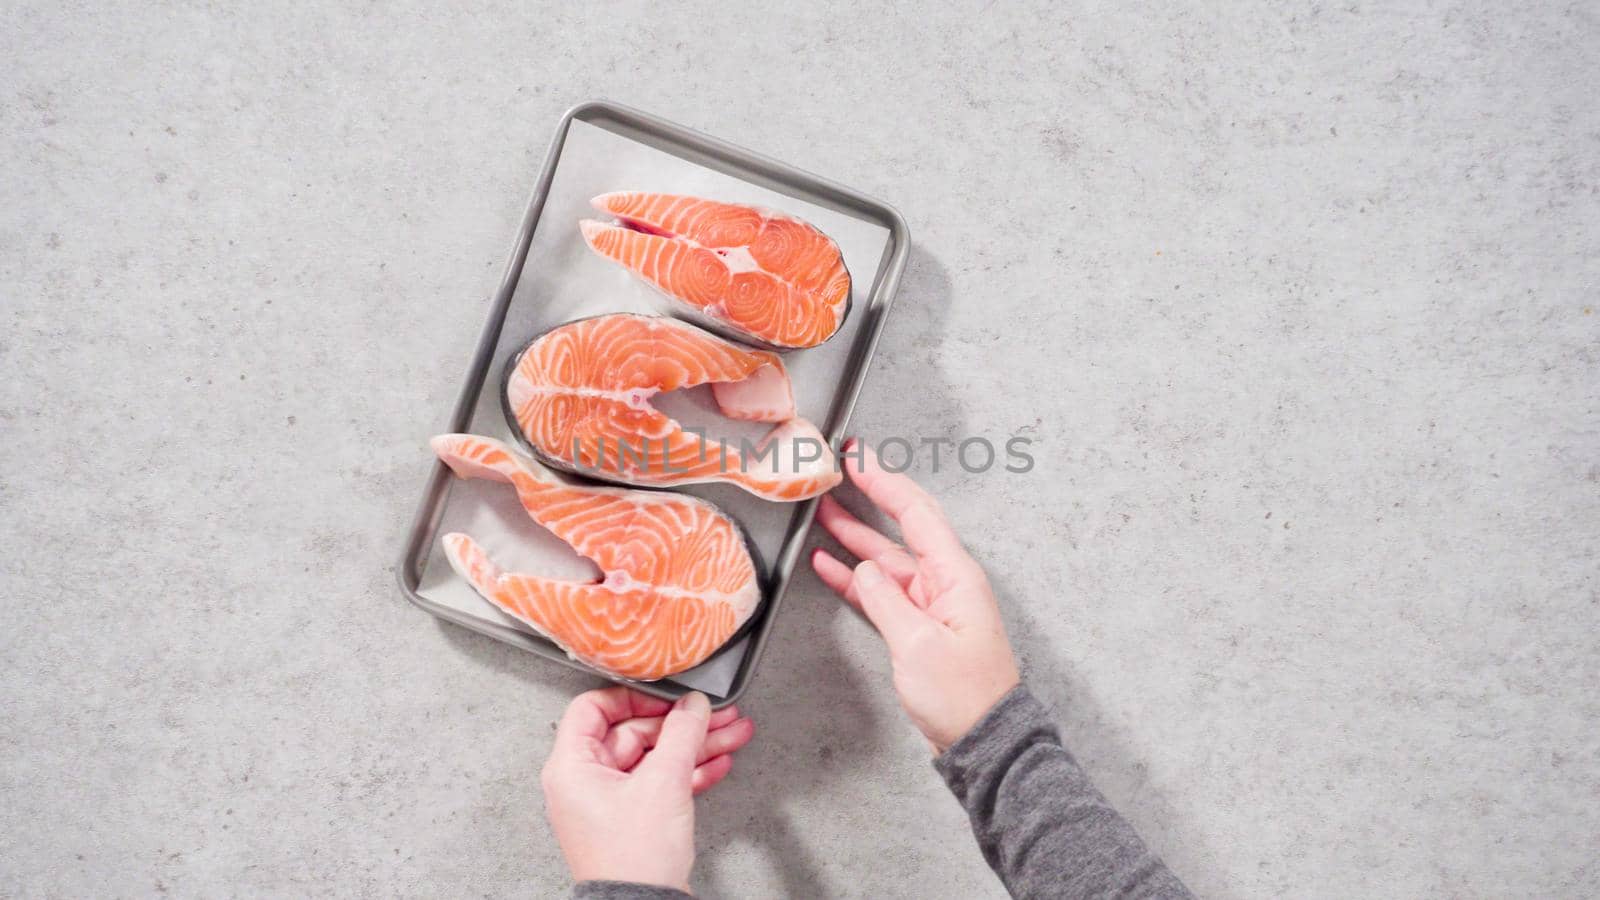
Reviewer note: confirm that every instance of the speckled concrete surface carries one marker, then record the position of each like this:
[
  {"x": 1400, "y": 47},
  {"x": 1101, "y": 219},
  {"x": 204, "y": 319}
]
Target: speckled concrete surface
[{"x": 1297, "y": 303}]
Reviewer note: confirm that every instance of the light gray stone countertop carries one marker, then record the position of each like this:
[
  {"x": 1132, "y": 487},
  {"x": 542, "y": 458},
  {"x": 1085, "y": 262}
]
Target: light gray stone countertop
[{"x": 1297, "y": 302}]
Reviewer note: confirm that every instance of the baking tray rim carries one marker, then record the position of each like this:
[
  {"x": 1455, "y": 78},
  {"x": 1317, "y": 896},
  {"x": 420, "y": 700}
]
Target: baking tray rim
[{"x": 735, "y": 161}]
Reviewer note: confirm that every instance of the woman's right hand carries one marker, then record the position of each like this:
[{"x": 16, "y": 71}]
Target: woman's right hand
[{"x": 929, "y": 599}]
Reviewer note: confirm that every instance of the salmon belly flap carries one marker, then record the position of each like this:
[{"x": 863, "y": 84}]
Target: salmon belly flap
[
  {"x": 678, "y": 580},
  {"x": 766, "y": 277}
]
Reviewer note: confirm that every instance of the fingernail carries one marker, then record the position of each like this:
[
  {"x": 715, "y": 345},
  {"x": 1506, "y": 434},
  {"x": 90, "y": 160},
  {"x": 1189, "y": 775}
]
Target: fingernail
[
  {"x": 867, "y": 573},
  {"x": 694, "y": 702}
]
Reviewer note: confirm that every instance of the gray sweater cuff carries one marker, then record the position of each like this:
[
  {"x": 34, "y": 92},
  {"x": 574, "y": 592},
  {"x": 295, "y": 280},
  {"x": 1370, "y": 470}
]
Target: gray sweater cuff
[
  {"x": 1041, "y": 825},
  {"x": 1012, "y": 721},
  {"x": 625, "y": 890}
]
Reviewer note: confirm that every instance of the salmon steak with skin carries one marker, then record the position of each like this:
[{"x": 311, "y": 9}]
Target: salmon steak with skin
[
  {"x": 678, "y": 581},
  {"x": 764, "y": 276},
  {"x": 580, "y": 394}
]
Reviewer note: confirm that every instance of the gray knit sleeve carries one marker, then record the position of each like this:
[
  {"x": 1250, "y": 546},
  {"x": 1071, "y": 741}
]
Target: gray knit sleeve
[
  {"x": 625, "y": 890},
  {"x": 1042, "y": 826}
]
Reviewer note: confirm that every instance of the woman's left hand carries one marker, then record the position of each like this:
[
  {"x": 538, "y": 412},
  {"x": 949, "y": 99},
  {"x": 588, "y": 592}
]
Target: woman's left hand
[{"x": 620, "y": 782}]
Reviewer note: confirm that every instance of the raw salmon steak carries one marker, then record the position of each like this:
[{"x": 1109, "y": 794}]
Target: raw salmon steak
[
  {"x": 580, "y": 394},
  {"x": 678, "y": 580},
  {"x": 763, "y": 276}
]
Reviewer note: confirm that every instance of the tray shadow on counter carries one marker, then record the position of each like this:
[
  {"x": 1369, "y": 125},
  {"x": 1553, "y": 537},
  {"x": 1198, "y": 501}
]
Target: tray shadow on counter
[{"x": 824, "y": 719}]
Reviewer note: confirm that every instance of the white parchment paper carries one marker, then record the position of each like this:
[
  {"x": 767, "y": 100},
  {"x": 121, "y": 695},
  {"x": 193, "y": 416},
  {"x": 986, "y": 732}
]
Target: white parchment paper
[{"x": 563, "y": 280}]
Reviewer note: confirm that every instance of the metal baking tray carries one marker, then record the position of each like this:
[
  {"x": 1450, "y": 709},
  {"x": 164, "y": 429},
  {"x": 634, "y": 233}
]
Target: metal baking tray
[{"x": 551, "y": 278}]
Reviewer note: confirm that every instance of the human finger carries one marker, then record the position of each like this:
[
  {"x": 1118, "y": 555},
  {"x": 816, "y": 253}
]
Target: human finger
[
  {"x": 886, "y": 603},
  {"x": 728, "y": 739},
  {"x": 922, "y": 523},
  {"x": 629, "y": 740},
  {"x": 866, "y": 543},
  {"x": 707, "y": 774},
  {"x": 899, "y": 565},
  {"x": 853, "y": 534},
  {"x": 590, "y": 715},
  {"x": 677, "y": 748},
  {"x": 835, "y": 574}
]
